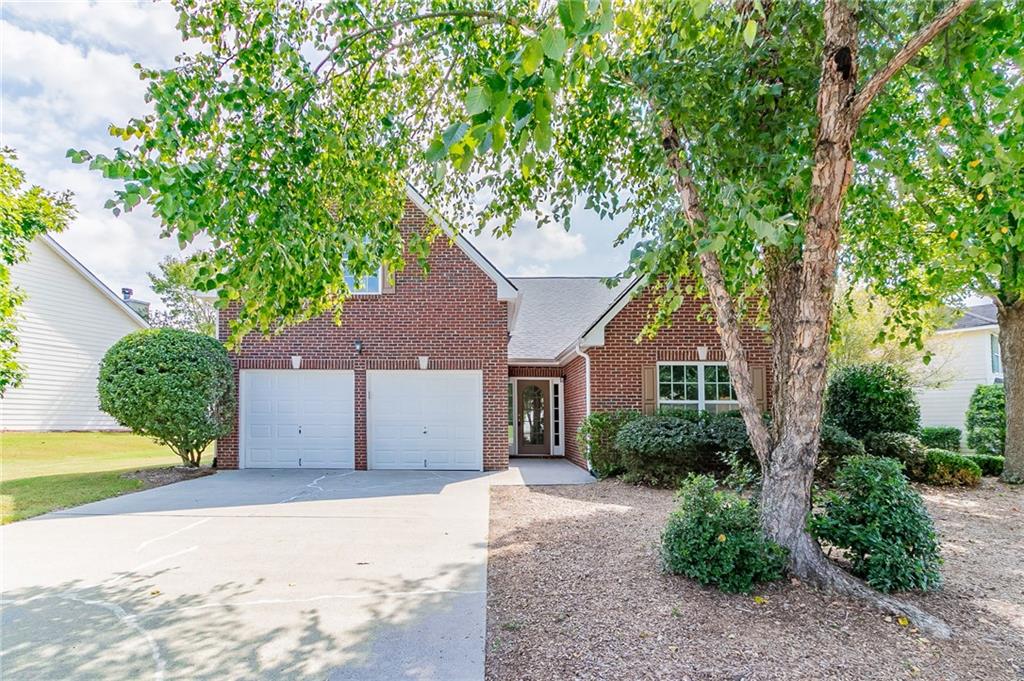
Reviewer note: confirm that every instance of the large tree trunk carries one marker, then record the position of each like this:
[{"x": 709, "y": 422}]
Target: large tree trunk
[
  {"x": 1011, "y": 349},
  {"x": 800, "y": 292}
]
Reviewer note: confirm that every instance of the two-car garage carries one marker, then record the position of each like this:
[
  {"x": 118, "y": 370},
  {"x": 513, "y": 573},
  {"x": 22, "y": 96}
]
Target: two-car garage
[{"x": 302, "y": 418}]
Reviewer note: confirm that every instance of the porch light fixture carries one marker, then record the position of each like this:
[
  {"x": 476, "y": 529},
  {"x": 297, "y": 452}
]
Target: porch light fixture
[
  {"x": 702, "y": 352},
  {"x": 358, "y": 346},
  {"x": 424, "y": 361},
  {"x": 296, "y": 361}
]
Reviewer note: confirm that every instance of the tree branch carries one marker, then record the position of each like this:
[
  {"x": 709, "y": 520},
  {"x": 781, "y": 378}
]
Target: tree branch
[
  {"x": 864, "y": 97},
  {"x": 721, "y": 300}
]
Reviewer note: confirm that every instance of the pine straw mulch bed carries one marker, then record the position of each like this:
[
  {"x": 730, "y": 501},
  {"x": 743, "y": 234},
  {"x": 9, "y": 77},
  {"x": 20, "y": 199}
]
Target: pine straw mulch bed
[{"x": 575, "y": 592}]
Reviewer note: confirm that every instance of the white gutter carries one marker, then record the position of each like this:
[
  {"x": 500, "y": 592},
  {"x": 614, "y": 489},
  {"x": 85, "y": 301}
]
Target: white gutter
[{"x": 586, "y": 363}]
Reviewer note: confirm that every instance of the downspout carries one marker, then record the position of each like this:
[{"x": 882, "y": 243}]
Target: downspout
[{"x": 586, "y": 364}]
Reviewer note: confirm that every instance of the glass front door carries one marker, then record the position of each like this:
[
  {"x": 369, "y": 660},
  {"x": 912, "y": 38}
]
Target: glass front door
[{"x": 534, "y": 420}]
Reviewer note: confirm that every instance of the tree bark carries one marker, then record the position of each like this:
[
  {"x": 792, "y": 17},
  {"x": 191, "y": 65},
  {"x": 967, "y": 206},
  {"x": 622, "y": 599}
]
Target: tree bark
[{"x": 1011, "y": 351}]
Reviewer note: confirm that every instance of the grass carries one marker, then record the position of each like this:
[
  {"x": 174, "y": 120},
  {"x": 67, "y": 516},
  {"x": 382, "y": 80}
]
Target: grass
[{"x": 42, "y": 472}]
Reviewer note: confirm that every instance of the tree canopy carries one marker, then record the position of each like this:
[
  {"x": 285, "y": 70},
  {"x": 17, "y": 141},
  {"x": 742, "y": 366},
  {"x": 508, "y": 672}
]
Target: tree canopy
[{"x": 186, "y": 308}]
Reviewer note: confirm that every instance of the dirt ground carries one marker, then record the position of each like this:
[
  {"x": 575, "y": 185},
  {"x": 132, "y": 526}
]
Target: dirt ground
[
  {"x": 575, "y": 592},
  {"x": 156, "y": 477}
]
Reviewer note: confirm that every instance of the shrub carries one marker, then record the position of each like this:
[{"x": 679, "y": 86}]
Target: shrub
[
  {"x": 174, "y": 386},
  {"x": 906, "y": 449},
  {"x": 949, "y": 468},
  {"x": 596, "y": 438},
  {"x": 879, "y": 520},
  {"x": 836, "y": 447},
  {"x": 986, "y": 420},
  {"x": 868, "y": 398},
  {"x": 988, "y": 463},
  {"x": 715, "y": 538},
  {"x": 661, "y": 450},
  {"x": 941, "y": 437}
]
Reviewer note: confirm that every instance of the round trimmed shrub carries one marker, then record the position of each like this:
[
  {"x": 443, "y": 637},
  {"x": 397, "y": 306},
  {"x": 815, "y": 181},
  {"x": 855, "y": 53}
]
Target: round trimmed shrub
[
  {"x": 988, "y": 463},
  {"x": 949, "y": 468},
  {"x": 714, "y": 537},
  {"x": 986, "y": 420},
  {"x": 596, "y": 438},
  {"x": 906, "y": 449},
  {"x": 941, "y": 437},
  {"x": 174, "y": 386},
  {"x": 881, "y": 523},
  {"x": 836, "y": 447},
  {"x": 870, "y": 398}
]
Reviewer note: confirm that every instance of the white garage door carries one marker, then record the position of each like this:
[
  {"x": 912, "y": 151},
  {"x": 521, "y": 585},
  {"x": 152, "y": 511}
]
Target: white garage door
[
  {"x": 425, "y": 419},
  {"x": 297, "y": 419}
]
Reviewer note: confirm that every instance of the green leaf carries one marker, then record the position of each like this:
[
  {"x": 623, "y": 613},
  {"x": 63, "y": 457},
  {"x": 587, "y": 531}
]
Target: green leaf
[
  {"x": 454, "y": 133},
  {"x": 750, "y": 32},
  {"x": 700, "y": 7},
  {"x": 553, "y": 42},
  {"x": 533, "y": 55},
  {"x": 478, "y": 100},
  {"x": 436, "y": 151}
]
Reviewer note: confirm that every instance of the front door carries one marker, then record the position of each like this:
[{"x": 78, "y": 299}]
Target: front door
[{"x": 534, "y": 427}]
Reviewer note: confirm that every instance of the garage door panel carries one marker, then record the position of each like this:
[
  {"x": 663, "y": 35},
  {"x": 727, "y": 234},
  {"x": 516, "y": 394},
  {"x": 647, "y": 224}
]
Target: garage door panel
[
  {"x": 298, "y": 418},
  {"x": 425, "y": 419}
]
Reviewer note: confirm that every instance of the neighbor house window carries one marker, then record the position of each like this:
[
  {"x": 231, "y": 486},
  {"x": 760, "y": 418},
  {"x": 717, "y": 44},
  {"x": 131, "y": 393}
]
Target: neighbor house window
[
  {"x": 997, "y": 358},
  {"x": 698, "y": 387},
  {"x": 365, "y": 285}
]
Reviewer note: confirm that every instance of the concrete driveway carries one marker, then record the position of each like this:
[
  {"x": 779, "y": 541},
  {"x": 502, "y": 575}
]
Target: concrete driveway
[{"x": 258, "y": 574}]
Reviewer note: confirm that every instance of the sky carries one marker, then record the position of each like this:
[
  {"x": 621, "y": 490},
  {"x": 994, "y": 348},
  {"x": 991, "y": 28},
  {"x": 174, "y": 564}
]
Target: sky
[{"x": 66, "y": 74}]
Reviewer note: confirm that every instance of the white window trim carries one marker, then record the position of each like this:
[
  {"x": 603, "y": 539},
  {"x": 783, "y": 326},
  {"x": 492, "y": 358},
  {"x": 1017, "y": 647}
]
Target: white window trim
[
  {"x": 380, "y": 284},
  {"x": 702, "y": 403},
  {"x": 559, "y": 450},
  {"x": 993, "y": 348}
]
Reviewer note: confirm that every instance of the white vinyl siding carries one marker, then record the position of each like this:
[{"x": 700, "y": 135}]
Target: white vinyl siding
[{"x": 66, "y": 326}]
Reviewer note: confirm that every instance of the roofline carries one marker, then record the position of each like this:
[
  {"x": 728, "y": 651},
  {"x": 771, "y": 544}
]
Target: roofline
[
  {"x": 594, "y": 335},
  {"x": 982, "y": 327},
  {"x": 94, "y": 280},
  {"x": 506, "y": 289},
  {"x": 560, "y": 276}
]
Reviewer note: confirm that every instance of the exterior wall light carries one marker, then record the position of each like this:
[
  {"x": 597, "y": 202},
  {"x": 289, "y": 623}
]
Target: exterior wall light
[{"x": 358, "y": 346}]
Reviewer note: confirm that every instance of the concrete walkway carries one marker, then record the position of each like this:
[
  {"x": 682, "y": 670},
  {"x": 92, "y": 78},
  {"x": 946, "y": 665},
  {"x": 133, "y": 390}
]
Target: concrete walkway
[{"x": 260, "y": 575}]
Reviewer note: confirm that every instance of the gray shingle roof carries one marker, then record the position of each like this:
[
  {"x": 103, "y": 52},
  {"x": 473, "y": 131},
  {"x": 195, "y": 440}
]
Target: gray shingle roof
[
  {"x": 554, "y": 312},
  {"x": 975, "y": 316}
]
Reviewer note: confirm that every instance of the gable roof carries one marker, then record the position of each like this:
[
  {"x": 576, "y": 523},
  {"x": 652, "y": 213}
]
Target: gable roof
[
  {"x": 506, "y": 289},
  {"x": 975, "y": 317},
  {"x": 555, "y": 312},
  {"x": 93, "y": 280}
]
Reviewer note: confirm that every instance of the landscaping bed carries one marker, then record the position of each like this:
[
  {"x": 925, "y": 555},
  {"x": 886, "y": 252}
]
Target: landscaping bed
[{"x": 575, "y": 591}]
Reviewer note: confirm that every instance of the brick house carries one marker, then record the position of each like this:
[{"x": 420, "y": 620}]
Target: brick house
[{"x": 464, "y": 368}]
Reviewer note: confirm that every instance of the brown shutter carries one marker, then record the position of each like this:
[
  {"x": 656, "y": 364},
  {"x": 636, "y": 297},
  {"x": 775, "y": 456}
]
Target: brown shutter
[
  {"x": 649, "y": 389},
  {"x": 758, "y": 378},
  {"x": 387, "y": 284}
]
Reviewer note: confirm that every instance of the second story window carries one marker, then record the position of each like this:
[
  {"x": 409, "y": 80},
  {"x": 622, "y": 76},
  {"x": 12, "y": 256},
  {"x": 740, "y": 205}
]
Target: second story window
[
  {"x": 997, "y": 358},
  {"x": 365, "y": 286}
]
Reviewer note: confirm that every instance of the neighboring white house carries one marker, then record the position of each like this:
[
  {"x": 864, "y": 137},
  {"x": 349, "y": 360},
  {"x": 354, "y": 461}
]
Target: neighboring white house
[
  {"x": 67, "y": 322},
  {"x": 971, "y": 347}
]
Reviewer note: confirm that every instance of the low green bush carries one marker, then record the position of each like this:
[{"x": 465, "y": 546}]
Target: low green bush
[
  {"x": 986, "y": 420},
  {"x": 596, "y": 438},
  {"x": 874, "y": 397},
  {"x": 906, "y": 449},
  {"x": 661, "y": 450},
  {"x": 881, "y": 523},
  {"x": 941, "y": 437},
  {"x": 988, "y": 463},
  {"x": 714, "y": 537},
  {"x": 949, "y": 468},
  {"x": 836, "y": 447}
]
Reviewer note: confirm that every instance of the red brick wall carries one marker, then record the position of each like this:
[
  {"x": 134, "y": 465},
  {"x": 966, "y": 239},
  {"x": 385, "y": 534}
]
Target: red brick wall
[
  {"x": 535, "y": 372},
  {"x": 615, "y": 368},
  {"x": 575, "y": 408},
  {"x": 452, "y": 316}
]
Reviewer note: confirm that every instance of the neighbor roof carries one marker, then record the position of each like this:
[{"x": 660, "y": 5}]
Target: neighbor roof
[
  {"x": 974, "y": 317},
  {"x": 554, "y": 312}
]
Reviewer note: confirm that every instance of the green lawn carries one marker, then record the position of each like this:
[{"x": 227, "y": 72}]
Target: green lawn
[{"x": 42, "y": 472}]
